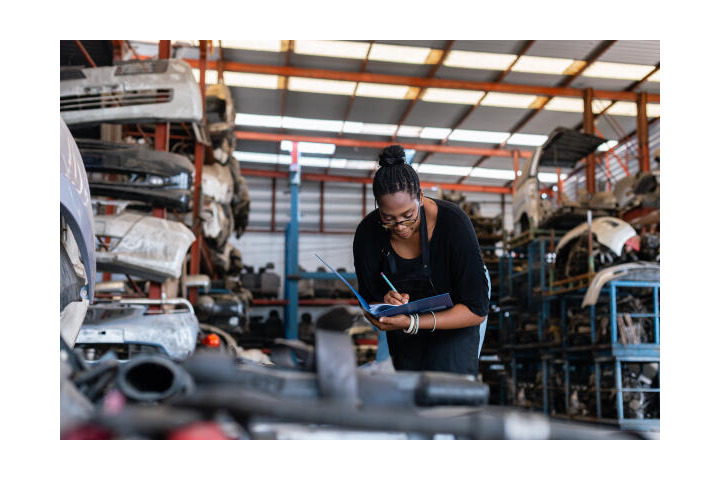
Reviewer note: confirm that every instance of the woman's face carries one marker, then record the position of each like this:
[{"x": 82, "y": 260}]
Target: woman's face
[{"x": 400, "y": 207}]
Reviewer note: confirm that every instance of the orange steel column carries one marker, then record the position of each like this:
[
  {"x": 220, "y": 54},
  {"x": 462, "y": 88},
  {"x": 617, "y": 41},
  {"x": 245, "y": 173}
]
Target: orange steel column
[
  {"x": 196, "y": 247},
  {"x": 588, "y": 127},
  {"x": 162, "y": 143},
  {"x": 642, "y": 133}
]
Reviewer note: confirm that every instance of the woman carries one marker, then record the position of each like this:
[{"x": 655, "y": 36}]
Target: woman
[{"x": 425, "y": 247}]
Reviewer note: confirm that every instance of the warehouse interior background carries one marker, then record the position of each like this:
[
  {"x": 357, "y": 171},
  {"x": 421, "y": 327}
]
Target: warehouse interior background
[{"x": 376, "y": 115}]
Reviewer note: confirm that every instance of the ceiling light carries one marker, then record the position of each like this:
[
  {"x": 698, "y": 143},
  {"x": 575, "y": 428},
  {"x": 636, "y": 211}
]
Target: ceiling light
[
  {"x": 447, "y": 95},
  {"x": 309, "y": 147},
  {"x": 487, "y": 61},
  {"x": 552, "y": 66},
  {"x": 622, "y": 71},
  {"x": 435, "y": 133},
  {"x": 527, "y": 139},
  {"x": 316, "y": 85},
  {"x": 397, "y": 53},
  {"x": 260, "y": 45},
  {"x": 250, "y": 120},
  {"x": 328, "y": 48},
  {"x": 379, "y": 90},
  {"x": 479, "y": 136},
  {"x": 250, "y": 80},
  {"x": 510, "y": 100}
]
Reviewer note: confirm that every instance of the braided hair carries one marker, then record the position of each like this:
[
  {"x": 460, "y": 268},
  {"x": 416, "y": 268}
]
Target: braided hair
[{"x": 394, "y": 175}]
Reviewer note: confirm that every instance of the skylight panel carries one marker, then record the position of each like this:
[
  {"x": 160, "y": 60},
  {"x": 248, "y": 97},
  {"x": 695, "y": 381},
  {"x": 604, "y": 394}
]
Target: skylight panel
[
  {"x": 510, "y": 100},
  {"x": 546, "y": 177},
  {"x": 455, "y": 171},
  {"x": 607, "y": 145},
  {"x": 527, "y": 139},
  {"x": 211, "y": 76},
  {"x": 621, "y": 71},
  {"x": 435, "y": 133},
  {"x": 447, "y": 95},
  {"x": 478, "y": 60},
  {"x": 314, "y": 161},
  {"x": 251, "y": 120},
  {"x": 251, "y": 80},
  {"x": 352, "y": 127},
  {"x": 399, "y": 54},
  {"x": 566, "y": 104},
  {"x": 409, "y": 131},
  {"x": 309, "y": 147},
  {"x": 259, "y": 45},
  {"x": 312, "y": 124},
  {"x": 378, "y": 129},
  {"x": 493, "y": 173},
  {"x": 360, "y": 165},
  {"x": 379, "y": 90},
  {"x": 551, "y": 66},
  {"x": 269, "y": 158},
  {"x": 653, "y": 110},
  {"x": 655, "y": 77},
  {"x": 330, "y": 48},
  {"x": 479, "y": 136},
  {"x": 316, "y": 85}
]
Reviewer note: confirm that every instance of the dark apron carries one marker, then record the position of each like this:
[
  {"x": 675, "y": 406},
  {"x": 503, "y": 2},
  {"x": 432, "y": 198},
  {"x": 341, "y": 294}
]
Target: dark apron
[{"x": 442, "y": 350}]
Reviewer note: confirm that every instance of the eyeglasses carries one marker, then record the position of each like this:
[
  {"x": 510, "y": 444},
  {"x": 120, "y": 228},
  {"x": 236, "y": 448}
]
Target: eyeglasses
[{"x": 403, "y": 223}]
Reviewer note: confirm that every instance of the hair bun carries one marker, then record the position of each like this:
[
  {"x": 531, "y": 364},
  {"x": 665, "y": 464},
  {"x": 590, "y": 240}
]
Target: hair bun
[{"x": 392, "y": 155}]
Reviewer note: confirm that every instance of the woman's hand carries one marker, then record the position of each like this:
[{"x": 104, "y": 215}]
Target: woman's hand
[
  {"x": 394, "y": 298},
  {"x": 389, "y": 323}
]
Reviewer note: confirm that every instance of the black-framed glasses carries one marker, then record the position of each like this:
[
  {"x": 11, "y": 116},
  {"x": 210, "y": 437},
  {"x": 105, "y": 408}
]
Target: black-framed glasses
[{"x": 403, "y": 223}]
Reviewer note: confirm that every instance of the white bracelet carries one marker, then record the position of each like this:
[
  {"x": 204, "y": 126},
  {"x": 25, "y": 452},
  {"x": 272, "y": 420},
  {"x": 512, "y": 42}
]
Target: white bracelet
[
  {"x": 412, "y": 324},
  {"x": 434, "y": 322},
  {"x": 417, "y": 323}
]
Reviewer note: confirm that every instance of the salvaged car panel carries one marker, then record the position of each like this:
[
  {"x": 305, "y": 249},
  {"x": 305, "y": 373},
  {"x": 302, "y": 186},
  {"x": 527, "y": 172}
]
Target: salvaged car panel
[
  {"x": 609, "y": 231},
  {"x": 220, "y": 109},
  {"x": 563, "y": 148},
  {"x": 108, "y": 326},
  {"x": 151, "y": 91},
  {"x": 642, "y": 271},
  {"x": 75, "y": 203},
  {"x": 149, "y": 247},
  {"x": 136, "y": 172},
  {"x": 218, "y": 183}
]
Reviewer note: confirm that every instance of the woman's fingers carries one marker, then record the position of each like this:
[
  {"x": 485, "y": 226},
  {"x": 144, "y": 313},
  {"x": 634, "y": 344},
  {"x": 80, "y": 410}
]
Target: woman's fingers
[
  {"x": 394, "y": 323},
  {"x": 394, "y": 298}
]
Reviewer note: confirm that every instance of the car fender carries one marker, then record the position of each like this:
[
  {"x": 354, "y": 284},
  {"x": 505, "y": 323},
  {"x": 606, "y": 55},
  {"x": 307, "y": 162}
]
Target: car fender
[{"x": 610, "y": 232}]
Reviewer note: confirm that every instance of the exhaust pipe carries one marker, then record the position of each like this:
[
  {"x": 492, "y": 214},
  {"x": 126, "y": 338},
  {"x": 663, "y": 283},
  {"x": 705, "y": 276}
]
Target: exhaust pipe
[{"x": 150, "y": 378}]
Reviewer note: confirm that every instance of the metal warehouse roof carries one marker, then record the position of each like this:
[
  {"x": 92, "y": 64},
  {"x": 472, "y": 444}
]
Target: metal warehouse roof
[{"x": 422, "y": 97}]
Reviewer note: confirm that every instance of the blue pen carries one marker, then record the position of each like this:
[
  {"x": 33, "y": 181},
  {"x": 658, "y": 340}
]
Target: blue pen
[{"x": 388, "y": 282}]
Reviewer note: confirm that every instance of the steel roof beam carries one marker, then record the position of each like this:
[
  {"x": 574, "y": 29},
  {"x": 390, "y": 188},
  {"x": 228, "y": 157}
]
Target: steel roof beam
[
  {"x": 349, "y": 142},
  {"x": 421, "y": 81},
  {"x": 594, "y": 56},
  {"x": 317, "y": 177},
  {"x": 470, "y": 110}
]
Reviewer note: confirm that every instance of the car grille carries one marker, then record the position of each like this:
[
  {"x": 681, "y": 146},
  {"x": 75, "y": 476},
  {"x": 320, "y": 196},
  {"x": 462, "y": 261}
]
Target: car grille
[{"x": 128, "y": 98}]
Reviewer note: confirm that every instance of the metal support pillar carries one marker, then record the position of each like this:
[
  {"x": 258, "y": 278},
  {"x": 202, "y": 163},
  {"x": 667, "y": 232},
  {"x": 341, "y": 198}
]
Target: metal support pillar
[
  {"x": 292, "y": 249},
  {"x": 272, "y": 205},
  {"x": 162, "y": 143},
  {"x": 589, "y": 127},
  {"x": 197, "y": 187},
  {"x": 642, "y": 133}
]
